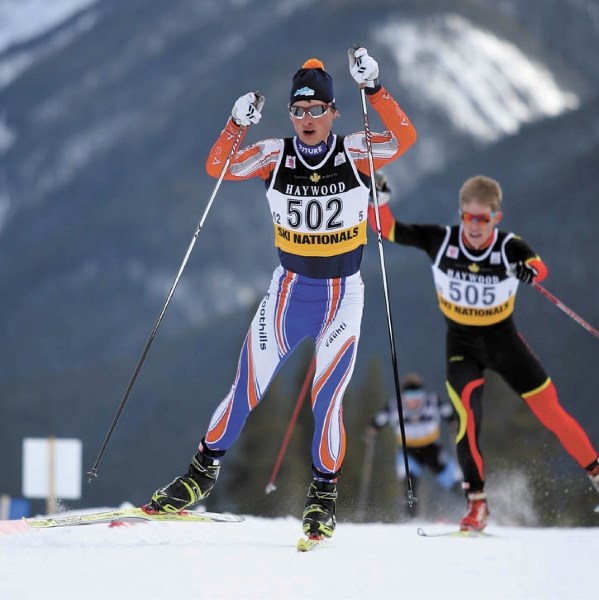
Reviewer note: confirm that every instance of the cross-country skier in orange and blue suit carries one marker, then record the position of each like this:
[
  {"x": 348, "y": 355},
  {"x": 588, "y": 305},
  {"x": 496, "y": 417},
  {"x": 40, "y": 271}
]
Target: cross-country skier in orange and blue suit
[{"x": 317, "y": 186}]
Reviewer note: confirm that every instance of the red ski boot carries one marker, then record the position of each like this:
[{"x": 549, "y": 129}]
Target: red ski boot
[{"x": 476, "y": 517}]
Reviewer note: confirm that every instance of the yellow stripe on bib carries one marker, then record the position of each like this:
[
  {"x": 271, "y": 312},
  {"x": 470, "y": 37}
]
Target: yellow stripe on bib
[
  {"x": 470, "y": 315},
  {"x": 320, "y": 244}
]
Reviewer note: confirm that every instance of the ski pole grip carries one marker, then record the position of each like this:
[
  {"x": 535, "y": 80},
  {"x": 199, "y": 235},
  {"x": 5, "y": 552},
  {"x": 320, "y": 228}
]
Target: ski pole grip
[
  {"x": 259, "y": 96},
  {"x": 356, "y": 46}
]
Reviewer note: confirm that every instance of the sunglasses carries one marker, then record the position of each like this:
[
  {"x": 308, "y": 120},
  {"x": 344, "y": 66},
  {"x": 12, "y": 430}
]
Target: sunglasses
[
  {"x": 315, "y": 111},
  {"x": 482, "y": 219}
]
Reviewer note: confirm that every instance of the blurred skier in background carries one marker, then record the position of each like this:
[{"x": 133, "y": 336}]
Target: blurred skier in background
[{"x": 424, "y": 413}]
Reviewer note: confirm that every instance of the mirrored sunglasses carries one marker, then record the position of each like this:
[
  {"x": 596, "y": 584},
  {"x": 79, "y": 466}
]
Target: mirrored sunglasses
[
  {"x": 315, "y": 111},
  {"x": 482, "y": 219}
]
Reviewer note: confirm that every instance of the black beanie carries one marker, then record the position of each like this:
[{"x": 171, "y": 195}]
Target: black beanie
[
  {"x": 312, "y": 82},
  {"x": 412, "y": 381}
]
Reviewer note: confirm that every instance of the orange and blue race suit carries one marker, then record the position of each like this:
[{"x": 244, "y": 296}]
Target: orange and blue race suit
[{"x": 319, "y": 210}]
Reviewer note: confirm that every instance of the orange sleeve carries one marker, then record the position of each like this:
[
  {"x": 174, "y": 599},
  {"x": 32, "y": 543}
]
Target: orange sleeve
[
  {"x": 387, "y": 221},
  {"x": 255, "y": 160},
  {"x": 540, "y": 267},
  {"x": 398, "y": 125},
  {"x": 221, "y": 149}
]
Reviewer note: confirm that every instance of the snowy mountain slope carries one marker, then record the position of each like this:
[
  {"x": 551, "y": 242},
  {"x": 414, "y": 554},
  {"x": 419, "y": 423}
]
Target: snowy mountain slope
[{"x": 83, "y": 133}]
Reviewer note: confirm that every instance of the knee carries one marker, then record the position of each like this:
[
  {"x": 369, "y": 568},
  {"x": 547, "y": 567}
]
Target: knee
[{"x": 545, "y": 405}]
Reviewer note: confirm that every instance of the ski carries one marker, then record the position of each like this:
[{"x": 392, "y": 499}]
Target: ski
[
  {"x": 309, "y": 543},
  {"x": 130, "y": 515},
  {"x": 12, "y": 526},
  {"x": 469, "y": 533}
]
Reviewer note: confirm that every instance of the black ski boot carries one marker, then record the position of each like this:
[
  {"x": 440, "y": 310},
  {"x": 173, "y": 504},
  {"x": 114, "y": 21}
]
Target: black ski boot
[
  {"x": 319, "y": 512},
  {"x": 188, "y": 489}
]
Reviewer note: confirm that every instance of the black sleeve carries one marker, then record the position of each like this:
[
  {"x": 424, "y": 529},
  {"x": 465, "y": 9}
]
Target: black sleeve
[
  {"x": 516, "y": 249},
  {"x": 426, "y": 237}
]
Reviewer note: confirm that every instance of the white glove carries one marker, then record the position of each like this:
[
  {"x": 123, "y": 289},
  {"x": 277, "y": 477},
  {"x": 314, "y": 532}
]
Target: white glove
[
  {"x": 247, "y": 109},
  {"x": 383, "y": 197},
  {"x": 362, "y": 67},
  {"x": 383, "y": 192}
]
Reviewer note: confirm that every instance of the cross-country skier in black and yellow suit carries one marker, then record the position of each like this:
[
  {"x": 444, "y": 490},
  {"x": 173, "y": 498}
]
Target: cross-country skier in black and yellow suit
[{"x": 476, "y": 271}]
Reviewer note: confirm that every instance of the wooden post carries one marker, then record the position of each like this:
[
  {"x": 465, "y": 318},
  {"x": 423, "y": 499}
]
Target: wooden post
[{"x": 4, "y": 506}]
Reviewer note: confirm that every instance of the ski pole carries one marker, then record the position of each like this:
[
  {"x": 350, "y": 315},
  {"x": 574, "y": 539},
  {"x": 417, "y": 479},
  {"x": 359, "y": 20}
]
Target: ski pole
[
  {"x": 565, "y": 309},
  {"x": 410, "y": 497},
  {"x": 93, "y": 472},
  {"x": 270, "y": 486}
]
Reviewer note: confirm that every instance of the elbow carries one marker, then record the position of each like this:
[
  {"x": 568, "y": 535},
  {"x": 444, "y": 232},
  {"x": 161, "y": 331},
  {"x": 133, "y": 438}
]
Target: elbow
[
  {"x": 411, "y": 138},
  {"x": 405, "y": 141}
]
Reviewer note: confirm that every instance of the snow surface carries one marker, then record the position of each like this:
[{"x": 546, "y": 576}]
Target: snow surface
[{"x": 257, "y": 559}]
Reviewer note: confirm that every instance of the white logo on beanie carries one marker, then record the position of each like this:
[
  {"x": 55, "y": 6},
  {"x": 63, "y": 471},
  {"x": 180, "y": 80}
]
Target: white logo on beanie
[{"x": 305, "y": 91}]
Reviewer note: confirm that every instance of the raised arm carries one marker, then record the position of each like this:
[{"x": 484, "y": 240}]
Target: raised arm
[
  {"x": 256, "y": 160},
  {"x": 400, "y": 133}
]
